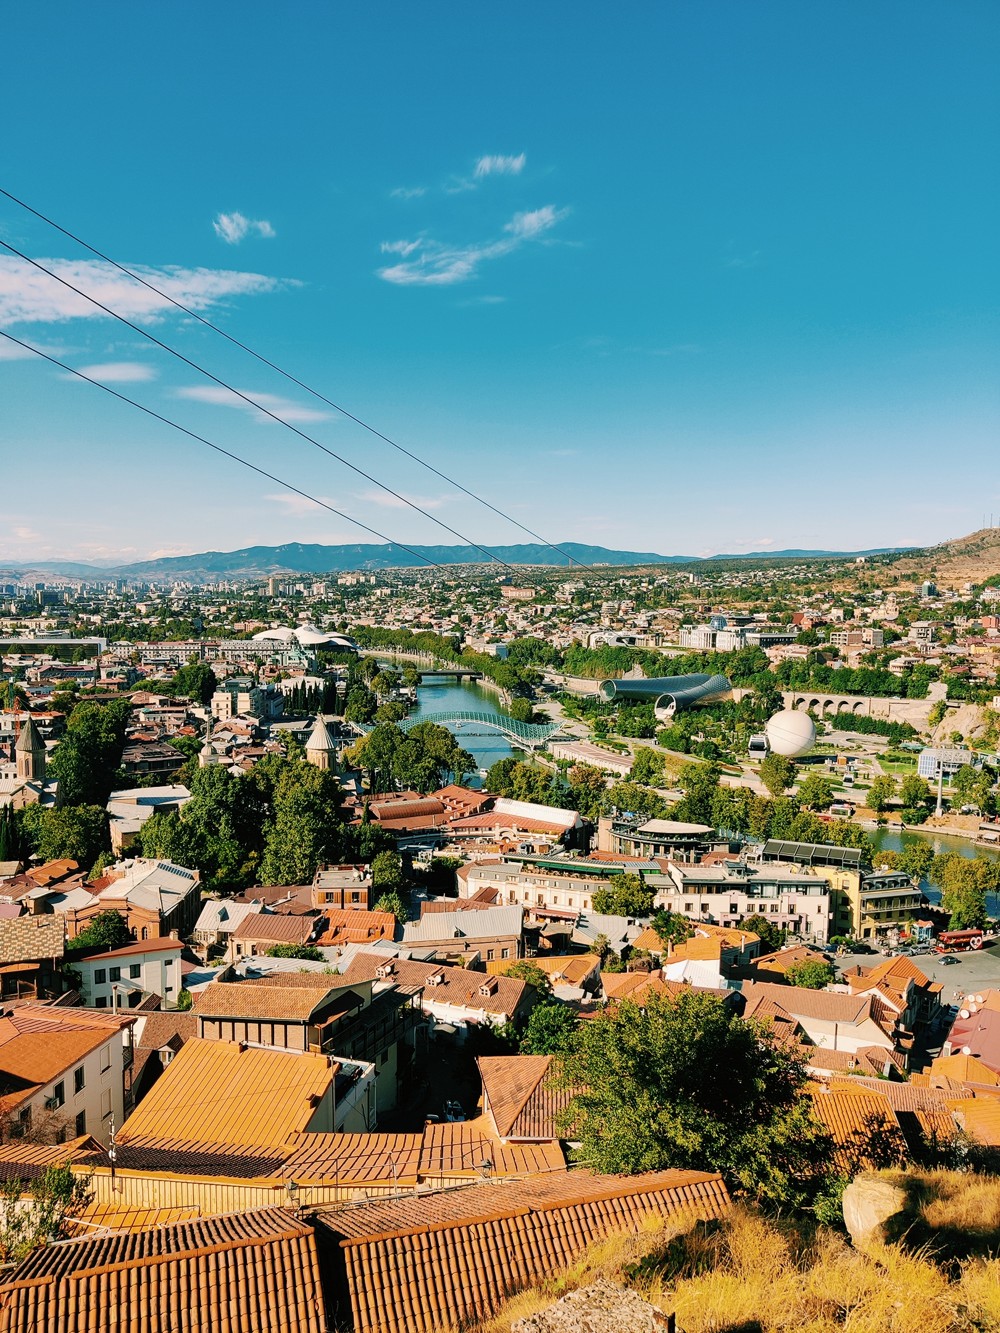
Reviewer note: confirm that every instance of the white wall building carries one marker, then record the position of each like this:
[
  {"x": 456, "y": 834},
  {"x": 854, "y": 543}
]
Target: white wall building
[{"x": 119, "y": 978}]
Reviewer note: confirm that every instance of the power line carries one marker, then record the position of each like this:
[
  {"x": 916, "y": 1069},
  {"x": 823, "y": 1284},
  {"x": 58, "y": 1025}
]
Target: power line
[
  {"x": 45, "y": 356},
  {"x": 286, "y": 374},
  {"x": 252, "y": 402}
]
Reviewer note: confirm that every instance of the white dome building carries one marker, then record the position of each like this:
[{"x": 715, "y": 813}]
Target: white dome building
[{"x": 790, "y": 733}]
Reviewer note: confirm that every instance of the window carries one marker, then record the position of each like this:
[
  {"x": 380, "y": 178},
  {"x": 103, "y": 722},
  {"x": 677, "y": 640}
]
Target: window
[
  {"x": 79, "y": 1078},
  {"x": 688, "y": 907},
  {"x": 135, "y": 970},
  {"x": 81, "y": 1123},
  {"x": 489, "y": 955},
  {"x": 355, "y": 897},
  {"x": 101, "y": 1002},
  {"x": 105, "y": 1104},
  {"x": 21, "y": 1124},
  {"x": 504, "y": 953},
  {"x": 59, "y": 1094},
  {"x": 105, "y": 1059},
  {"x": 116, "y": 974},
  {"x": 100, "y": 976}
]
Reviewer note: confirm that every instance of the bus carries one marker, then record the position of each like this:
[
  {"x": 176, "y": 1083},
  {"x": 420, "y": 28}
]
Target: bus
[{"x": 958, "y": 940}]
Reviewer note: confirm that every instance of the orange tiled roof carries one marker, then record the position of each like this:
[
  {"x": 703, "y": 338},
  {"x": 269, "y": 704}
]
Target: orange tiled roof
[
  {"x": 458, "y": 985},
  {"x": 522, "y": 1100},
  {"x": 464, "y": 1251},
  {"x": 966, "y": 1069},
  {"x": 217, "y": 1097},
  {"x": 563, "y": 969},
  {"x": 274, "y": 927},
  {"x": 230, "y": 1274},
  {"x": 852, "y": 1113},
  {"x": 244, "y": 999},
  {"x": 980, "y": 1118},
  {"x": 349, "y": 926},
  {"x": 39, "y": 1044}
]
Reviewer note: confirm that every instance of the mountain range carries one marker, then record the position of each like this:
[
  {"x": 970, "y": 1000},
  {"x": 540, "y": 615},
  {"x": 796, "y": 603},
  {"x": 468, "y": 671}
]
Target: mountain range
[{"x": 302, "y": 558}]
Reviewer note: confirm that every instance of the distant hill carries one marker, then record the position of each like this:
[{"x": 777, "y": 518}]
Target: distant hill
[{"x": 305, "y": 558}]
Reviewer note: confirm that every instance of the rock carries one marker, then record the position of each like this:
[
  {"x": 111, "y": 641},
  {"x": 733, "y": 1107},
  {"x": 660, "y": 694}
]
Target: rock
[
  {"x": 602, "y": 1307},
  {"x": 871, "y": 1208}
]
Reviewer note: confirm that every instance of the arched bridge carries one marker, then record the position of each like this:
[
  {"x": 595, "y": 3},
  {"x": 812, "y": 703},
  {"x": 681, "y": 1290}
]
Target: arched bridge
[{"x": 527, "y": 735}]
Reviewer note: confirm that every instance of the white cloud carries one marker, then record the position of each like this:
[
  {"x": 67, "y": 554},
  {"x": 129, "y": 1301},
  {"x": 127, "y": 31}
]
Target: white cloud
[
  {"x": 299, "y": 505},
  {"x": 119, "y": 372},
  {"x": 285, "y": 408},
  {"x": 498, "y": 165},
  {"x": 435, "y": 264},
  {"x": 402, "y": 248},
  {"x": 30, "y": 296},
  {"x": 402, "y": 192},
  {"x": 387, "y": 501},
  {"x": 234, "y": 227}
]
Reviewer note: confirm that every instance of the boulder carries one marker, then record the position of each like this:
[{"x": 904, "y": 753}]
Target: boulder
[
  {"x": 602, "y": 1307},
  {"x": 874, "y": 1209}
]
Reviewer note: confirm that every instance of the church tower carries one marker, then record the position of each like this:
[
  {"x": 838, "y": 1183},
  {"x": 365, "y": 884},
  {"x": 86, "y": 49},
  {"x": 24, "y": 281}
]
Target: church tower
[
  {"x": 29, "y": 752},
  {"x": 321, "y": 748}
]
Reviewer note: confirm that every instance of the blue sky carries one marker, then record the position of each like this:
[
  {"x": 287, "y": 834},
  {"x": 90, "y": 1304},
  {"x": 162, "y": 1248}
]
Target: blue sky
[{"x": 666, "y": 276}]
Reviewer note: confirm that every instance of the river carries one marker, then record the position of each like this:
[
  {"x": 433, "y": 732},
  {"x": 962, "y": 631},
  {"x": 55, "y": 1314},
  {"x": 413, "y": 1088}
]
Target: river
[
  {"x": 892, "y": 840},
  {"x": 448, "y": 696}
]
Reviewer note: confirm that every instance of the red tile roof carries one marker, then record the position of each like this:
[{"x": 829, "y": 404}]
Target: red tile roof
[
  {"x": 273, "y": 927},
  {"x": 523, "y": 1102},
  {"x": 422, "y": 1264},
  {"x": 240, "y": 1273}
]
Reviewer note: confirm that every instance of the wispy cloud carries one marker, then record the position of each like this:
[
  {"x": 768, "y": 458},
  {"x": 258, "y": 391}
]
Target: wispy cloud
[
  {"x": 499, "y": 165},
  {"x": 29, "y": 296},
  {"x": 299, "y": 505},
  {"x": 285, "y": 408},
  {"x": 752, "y": 260},
  {"x": 436, "y": 264},
  {"x": 387, "y": 501},
  {"x": 119, "y": 372},
  {"x": 401, "y": 248},
  {"x": 408, "y": 192},
  {"x": 483, "y": 300},
  {"x": 234, "y": 227}
]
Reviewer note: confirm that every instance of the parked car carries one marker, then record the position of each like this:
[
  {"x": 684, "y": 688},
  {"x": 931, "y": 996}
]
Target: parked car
[
  {"x": 453, "y": 1111},
  {"x": 949, "y": 959}
]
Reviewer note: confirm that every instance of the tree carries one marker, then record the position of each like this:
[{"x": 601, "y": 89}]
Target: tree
[
  {"x": 881, "y": 792},
  {"x": 33, "y": 1212},
  {"x": 647, "y": 766},
  {"x": 776, "y": 773},
  {"x": 107, "y": 930},
  {"x": 588, "y": 790},
  {"x": 684, "y": 1082},
  {"x": 306, "y": 952},
  {"x": 816, "y": 792},
  {"x": 671, "y": 927},
  {"x": 78, "y": 832},
  {"x": 304, "y": 827},
  {"x": 195, "y": 681},
  {"x": 521, "y": 710},
  {"x": 811, "y": 974},
  {"x": 387, "y": 871},
  {"x": 939, "y": 709},
  {"x": 86, "y": 761},
  {"x": 633, "y": 799},
  {"x": 700, "y": 784},
  {"x": 525, "y": 970},
  {"x": 915, "y": 859},
  {"x": 916, "y": 795},
  {"x": 549, "y": 1030},
  {"x": 965, "y": 882},
  {"x": 392, "y": 902},
  {"x": 771, "y": 936},
  {"x": 626, "y": 895},
  {"x": 10, "y": 835}
]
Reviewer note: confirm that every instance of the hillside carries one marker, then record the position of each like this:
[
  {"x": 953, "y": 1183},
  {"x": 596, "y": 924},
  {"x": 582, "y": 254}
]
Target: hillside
[{"x": 971, "y": 559}]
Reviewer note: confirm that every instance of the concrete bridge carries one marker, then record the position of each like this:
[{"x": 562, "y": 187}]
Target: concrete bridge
[{"x": 914, "y": 711}]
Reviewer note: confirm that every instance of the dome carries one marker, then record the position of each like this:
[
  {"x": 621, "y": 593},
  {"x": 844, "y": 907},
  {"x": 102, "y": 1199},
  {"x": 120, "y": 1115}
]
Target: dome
[
  {"x": 791, "y": 733},
  {"x": 279, "y": 635},
  {"x": 309, "y": 636}
]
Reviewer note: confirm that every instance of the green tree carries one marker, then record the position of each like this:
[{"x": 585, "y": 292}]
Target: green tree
[
  {"x": 647, "y": 766},
  {"x": 306, "y": 952},
  {"x": 816, "y": 792},
  {"x": 387, "y": 871},
  {"x": 195, "y": 681},
  {"x": 939, "y": 709},
  {"x": 771, "y": 936},
  {"x": 915, "y": 793},
  {"x": 521, "y": 710},
  {"x": 392, "y": 901},
  {"x": 87, "y": 761},
  {"x": 811, "y": 974},
  {"x": 700, "y": 784},
  {"x": 671, "y": 927},
  {"x": 550, "y": 1029},
  {"x": 107, "y": 930},
  {"x": 625, "y": 895},
  {"x": 79, "y": 832},
  {"x": 777, "y": 773},
  {"x": 525, "y": 970},
  {"x": 588, "y": 790},
  {"x": 634, "y": 799},
  {"x": 651, "y": 1097},
  {"x": 34, "y": 1212},
  {"x": 304, "y": 828},
  {"x": 916, "y": 859},
  {"x": 881, "y": 792}
]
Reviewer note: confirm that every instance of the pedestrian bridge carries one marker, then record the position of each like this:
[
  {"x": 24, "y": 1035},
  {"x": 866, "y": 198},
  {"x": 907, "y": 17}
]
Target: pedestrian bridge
[{"x": 527, "y": 735}]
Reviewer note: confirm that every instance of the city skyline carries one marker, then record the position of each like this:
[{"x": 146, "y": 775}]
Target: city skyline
[{"x": 583, "y": 269}]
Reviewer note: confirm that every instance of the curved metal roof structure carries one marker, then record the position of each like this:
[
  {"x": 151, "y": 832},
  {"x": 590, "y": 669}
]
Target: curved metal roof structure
[{"x": 669, "y": 694}]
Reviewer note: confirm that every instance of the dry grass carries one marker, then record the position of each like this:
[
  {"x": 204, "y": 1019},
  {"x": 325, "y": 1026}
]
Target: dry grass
[{"x": 751, "y": 1275}]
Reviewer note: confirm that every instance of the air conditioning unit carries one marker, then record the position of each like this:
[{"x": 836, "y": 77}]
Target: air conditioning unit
[{"x": 52, "y": 1103}]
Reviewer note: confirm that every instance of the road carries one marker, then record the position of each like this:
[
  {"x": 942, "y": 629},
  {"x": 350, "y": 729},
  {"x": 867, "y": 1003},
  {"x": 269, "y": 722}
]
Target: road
[{"x": 971, "y": 973}]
